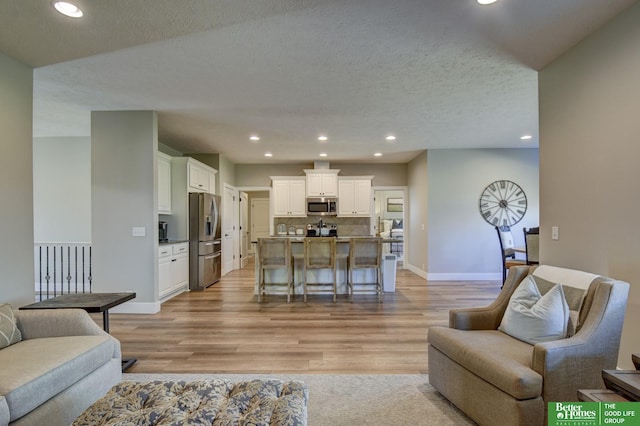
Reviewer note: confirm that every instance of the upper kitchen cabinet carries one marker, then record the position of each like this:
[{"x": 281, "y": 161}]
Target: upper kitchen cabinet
[
  {"x": 202, "y": 178},
  {"x": 354, "y": 196},
  {"x": 164, "y": 183},
  {"x": 288, "y": 195},
  {"x": 322, "y": 182},
  {"x": 183, "y": 169}
]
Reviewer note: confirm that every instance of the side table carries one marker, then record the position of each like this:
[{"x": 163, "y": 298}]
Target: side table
[
  {"x": 600, "y": 395},
  {"x": 90, "y": 302},
  {"x": 624, "y": 382}
]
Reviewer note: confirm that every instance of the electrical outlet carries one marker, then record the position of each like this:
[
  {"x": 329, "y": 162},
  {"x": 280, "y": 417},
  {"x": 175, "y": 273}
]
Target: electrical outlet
[
  {"x": 138, "y": 231},
  {"x": 554, "y": 233}
]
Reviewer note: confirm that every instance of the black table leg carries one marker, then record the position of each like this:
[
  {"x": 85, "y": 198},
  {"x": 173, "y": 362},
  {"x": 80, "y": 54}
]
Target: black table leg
[
  {"x": 126, "y": 363},
  {"x": 105, "y": 320}
]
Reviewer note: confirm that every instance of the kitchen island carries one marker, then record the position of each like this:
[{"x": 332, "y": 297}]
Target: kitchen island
[{"x": 297, "y": 251}]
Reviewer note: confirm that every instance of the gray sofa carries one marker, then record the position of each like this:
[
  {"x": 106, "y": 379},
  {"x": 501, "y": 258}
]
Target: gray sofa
[
  {"x": 499, "y": 380},
  {"x": 63, "y": 363}
]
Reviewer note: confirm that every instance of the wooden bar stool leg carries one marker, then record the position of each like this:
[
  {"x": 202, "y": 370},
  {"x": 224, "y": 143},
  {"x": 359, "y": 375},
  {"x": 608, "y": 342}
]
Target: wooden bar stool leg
[{"x": 304, "y": 284}]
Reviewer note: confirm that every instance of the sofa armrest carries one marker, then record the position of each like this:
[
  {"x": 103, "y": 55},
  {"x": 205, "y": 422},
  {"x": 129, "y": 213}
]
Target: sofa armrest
[
  {"x": 489, "y": 317},
  {"x": 4, "y": 411},
  {"x": 38, "y": 323},
  {"x": 594, "y": 348}
]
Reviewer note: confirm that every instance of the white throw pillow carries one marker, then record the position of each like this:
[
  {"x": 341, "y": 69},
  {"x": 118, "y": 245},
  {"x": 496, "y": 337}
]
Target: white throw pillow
[{"x": 533, "y": 318}]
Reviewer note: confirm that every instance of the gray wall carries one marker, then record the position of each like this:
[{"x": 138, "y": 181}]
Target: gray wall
[
  {"x": 16, "y": 182},
  {"x": 462, "y": 245},
  {"x": 589, "y": 150},
  {"x": 62, "y": 189},
  {"x": 123, "y": 196},
  {"x": 256, "y": 175},
  {"x": 414, "y": 232}
]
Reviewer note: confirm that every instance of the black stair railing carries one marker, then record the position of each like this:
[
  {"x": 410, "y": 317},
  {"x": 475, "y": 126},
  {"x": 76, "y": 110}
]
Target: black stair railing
[{"x": 62, "y": 268}]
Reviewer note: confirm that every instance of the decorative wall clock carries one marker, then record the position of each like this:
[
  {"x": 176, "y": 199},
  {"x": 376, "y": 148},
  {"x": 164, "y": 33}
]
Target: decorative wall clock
[{"x": 503, "y": 203}]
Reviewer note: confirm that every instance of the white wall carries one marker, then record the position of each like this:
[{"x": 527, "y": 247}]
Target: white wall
[
  {"x": 62, "y": 189},
  {"x": 16, "y": 182},
  {"x": 589, "y": 151},
  {"x": 415, "y": 234},
  {"x": 462, "y": 245},
  {"x": 123, "y": 196}
]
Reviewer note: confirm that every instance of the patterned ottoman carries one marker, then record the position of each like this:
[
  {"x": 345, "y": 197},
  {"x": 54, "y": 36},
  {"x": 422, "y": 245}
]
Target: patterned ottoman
[{"x": 201, "y": 402}]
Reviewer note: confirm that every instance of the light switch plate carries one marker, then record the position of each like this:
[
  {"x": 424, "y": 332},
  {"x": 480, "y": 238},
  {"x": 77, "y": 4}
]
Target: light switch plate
[
  {"x": 138, "y": 231},
  {"x": 554, "y": 232}
]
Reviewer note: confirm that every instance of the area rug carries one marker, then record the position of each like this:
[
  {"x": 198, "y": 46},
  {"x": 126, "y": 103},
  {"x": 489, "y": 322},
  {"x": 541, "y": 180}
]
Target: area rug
[{"x": 352, "y": 400}]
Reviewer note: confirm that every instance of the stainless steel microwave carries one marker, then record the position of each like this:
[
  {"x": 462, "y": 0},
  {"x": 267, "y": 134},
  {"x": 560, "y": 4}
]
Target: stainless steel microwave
[{"x": 325, "y": 206}]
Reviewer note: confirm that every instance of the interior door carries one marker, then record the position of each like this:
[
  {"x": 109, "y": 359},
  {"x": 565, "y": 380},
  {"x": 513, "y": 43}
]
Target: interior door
[
  {"x": 228, "y": 228},
  {"x": 244, "y": 229},
  {"x": 259, "y": 219}
]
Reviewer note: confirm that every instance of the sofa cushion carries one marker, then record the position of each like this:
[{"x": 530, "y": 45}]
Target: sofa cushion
[
  {"x": 9, "y": 333},
  {"x": 42, "y": 368},
  {"x": 532, "y": 317},
  {"x": 495, "y": 357}
]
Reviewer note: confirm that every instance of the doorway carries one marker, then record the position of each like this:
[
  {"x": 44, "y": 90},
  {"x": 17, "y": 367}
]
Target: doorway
[
  {"x": 244, "y": 229},
  {"x": 259, "y": 218},
  {"x": 390, "y": 209},
  {"x": 230, "y": 219}
]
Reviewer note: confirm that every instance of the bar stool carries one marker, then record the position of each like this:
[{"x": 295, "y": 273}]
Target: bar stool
[
  {"x": 365, "y": 253},
  {"x": 319, "y": 254},
  {"x": 273, "y": 254}
]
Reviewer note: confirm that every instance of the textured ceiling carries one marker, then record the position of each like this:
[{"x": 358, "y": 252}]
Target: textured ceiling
[{"x": 438, "y": 74}]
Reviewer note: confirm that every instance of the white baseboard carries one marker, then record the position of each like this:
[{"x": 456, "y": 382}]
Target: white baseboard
[
  {"x": 416, "y": 271},
  {"x": 136, "y": 308},
  {"x": 473, "y": 276}
]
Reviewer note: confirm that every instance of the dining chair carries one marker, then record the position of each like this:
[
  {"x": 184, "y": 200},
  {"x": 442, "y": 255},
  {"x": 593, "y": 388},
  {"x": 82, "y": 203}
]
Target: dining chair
[
  {"x": 532, "y": 245},
  {"x": 508, "y": 255},
  {"x": 319, "y": 254},
  {"x": 274, "y": 254},
  {"x": 365, "y": 253}
]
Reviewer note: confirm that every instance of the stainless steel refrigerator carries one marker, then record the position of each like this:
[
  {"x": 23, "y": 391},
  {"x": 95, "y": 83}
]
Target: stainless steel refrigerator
[{"x": 205, "y": 243}]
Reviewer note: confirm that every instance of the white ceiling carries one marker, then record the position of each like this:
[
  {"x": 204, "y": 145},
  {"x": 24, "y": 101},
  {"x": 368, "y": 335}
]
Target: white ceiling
[{"x": 437, "y": 74}]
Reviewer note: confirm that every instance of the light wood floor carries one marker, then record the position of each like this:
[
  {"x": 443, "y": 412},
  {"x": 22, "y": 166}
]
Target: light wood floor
[{"x": 223, "y": 330}]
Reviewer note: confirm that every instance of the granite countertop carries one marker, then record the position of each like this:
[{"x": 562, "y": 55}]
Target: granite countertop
[
  {"x": 300, "y": 238},
  {"x": 172, "y": 242}
]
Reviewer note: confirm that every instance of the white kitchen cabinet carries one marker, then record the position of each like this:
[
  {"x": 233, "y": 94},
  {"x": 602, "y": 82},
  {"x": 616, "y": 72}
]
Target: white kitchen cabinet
[
  {"x": 181, "y": 173},
  {"x": 289, "y": 196},
  {"x": 322, "y": 183},
  {"x": 173, "y": 268},
  {"x": 354, "y": 196},
  {"x": 199, "y": 178},
  {"x": 164, "y": 183}
]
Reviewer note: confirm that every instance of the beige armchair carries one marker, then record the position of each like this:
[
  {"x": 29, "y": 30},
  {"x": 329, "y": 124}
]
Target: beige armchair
[{"x": 499, "y": 380}]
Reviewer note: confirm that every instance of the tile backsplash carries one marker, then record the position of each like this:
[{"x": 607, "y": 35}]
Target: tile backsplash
[{"x": 347, "y": 226}]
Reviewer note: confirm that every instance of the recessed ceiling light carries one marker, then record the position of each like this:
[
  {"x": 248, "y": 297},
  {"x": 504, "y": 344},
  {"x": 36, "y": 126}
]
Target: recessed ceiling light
[
  {"x": 525, "y": 137},
  {"x": 254, "y": 138},
  {"x": 483, "y": 2},
  {"x": 322, "y": 138},
  {"x": 390, "y": 138},
  {"x": 377, "y": 154},
  {"x": 268, "y": 154},
  {"x": 68, "y": 9},
  {"x": 323, "y": 154}
]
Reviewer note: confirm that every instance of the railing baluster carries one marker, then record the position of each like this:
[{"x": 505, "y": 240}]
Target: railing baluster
[
  {"x": 90, "y": 277},
  {"x": 50, "y": 260},
  {"x": 48, "y": 276}
]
